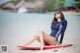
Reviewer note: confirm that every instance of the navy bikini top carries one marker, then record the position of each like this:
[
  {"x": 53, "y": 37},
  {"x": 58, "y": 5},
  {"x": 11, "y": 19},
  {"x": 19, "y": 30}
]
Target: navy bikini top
[{"x": 56, "y": 29}]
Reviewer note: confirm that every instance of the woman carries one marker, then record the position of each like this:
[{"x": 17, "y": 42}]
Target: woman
[{"x": 52, "y": 38}]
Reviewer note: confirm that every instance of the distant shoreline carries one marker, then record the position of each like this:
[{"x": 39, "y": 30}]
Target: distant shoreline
[{"x": 65, "y": 12}]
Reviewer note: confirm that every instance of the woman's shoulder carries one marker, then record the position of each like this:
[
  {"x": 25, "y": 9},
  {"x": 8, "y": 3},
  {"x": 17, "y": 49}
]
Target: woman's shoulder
[{"x": 64, "y": 21}]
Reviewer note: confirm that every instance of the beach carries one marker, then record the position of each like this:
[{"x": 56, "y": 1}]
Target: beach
[{"x": 16, "y": 29}]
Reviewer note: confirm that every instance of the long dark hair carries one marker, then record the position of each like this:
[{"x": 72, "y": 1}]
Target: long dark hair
[{"x": 54, "y": 21}]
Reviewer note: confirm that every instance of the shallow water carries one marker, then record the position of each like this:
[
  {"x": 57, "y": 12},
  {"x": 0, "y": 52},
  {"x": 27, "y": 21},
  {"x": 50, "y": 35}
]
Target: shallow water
[{"x": 16, "y": 29}]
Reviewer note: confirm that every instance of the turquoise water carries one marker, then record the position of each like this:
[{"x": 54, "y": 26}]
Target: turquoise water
[{"x": 15, "y": 28}]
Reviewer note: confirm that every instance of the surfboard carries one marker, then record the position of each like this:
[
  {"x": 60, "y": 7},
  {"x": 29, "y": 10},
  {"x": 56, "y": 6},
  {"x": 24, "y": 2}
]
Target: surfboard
[{"x": 46, "y": 47}]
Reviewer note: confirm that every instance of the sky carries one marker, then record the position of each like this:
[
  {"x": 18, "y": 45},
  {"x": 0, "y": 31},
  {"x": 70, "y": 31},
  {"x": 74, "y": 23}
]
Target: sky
[
  {"x": 3, "y": 1},
  {"x": 69, "y": 2}
]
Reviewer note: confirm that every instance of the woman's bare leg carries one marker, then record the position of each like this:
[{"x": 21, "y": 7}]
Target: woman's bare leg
[
  {"x": 46, "y": 37},
  {"x": 49, "y": 39},
  {"x": 41, "y": 38},
  {"x": 36, "y": 37}
]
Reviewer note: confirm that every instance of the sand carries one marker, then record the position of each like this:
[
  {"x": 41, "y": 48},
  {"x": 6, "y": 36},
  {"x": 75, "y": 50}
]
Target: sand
[{"x": 18, "y": 31}]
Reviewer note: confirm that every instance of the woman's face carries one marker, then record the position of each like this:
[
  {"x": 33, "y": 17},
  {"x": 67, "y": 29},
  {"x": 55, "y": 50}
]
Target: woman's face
[{"x": 58, "y": 15}]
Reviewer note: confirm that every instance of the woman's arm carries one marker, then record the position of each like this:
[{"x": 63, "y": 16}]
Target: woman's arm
[{"x": 59, "y": 31}]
